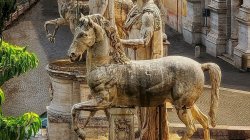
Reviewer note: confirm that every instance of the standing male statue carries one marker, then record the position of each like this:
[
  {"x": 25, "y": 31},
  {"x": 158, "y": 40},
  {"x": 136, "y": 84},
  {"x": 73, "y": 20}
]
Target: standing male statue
[
  {"x": 98, "y": 7},
  {"x": 144, "y": 26},
  {"x": 113, "y": 10}
]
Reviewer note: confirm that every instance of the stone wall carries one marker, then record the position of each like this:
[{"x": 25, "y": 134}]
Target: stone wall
[
  {"x": 176, "y": 13},
  {"x": 219, "y": 32}
]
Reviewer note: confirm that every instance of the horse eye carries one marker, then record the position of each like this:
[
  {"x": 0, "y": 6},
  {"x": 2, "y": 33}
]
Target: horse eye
[{"x": 80, "y": 35}]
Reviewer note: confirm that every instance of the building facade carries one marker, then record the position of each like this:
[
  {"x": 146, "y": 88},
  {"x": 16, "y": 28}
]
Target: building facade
[{"x": 223, "y": 26}]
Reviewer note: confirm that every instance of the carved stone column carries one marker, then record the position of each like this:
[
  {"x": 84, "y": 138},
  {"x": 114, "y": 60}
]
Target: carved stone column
[
  {"x": 121, "y": 124},
  {"x": 192, "y": 25},
  {"x": 65, "y": 78},
  {"x": 217, "y": 37},
  {"x": 242, "y": 51}
]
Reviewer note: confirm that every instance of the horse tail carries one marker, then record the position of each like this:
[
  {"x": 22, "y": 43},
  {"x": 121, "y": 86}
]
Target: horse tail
[{"x": 215, "y": 77}]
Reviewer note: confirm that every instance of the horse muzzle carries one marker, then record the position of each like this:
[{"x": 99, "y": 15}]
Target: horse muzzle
[{"x": 74, "y": 57}]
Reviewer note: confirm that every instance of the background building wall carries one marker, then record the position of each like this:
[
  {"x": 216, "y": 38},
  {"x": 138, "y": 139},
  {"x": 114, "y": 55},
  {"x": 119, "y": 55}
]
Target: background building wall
[{"x": 176, "y": 12}]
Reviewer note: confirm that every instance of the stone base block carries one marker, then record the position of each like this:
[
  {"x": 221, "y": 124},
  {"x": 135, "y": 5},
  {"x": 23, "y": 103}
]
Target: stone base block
[
  {"x": 204, "y": 39},
  {"x": 232, "y": 43},
  {"x": 241, "y": 59},
  {"x": 215, "y": 49},
  {"x": 121, "y": 124},
  {"x": 205, "y": 31},
  {"x": 191, "y": 37},
  {"x": 61, "y": 131},
  {"x": 237, "y": 61}
]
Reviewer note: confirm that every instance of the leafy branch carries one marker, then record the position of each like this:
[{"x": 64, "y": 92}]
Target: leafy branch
[
  {"x": 15, "y": 61},
  {"x": 19, "y": 128}
]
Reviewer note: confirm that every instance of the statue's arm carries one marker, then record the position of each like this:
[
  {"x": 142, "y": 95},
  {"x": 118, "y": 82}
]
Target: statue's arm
[{"x": 147, "y": 31}]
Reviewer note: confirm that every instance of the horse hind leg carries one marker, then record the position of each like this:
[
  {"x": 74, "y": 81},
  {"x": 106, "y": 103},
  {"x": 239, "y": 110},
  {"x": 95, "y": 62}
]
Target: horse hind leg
[
  {"x": 202, "y": 119},
  {"x": 186, "y": 117}
]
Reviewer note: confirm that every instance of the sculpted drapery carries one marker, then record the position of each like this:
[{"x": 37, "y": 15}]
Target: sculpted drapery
[{"x": 144, "y": 26}]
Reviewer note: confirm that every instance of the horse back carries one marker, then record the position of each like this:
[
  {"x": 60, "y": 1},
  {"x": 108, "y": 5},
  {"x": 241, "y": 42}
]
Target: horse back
[{"x": 151, "y": 82}]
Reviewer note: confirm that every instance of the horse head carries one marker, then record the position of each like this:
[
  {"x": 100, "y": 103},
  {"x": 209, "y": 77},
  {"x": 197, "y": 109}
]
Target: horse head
[{"x": 87, "y": 33}]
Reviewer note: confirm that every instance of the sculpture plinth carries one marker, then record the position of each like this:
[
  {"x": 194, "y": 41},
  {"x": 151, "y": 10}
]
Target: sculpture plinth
[
  {"x": 121, "y": 124},
  {"x": 67, "y": 81}
]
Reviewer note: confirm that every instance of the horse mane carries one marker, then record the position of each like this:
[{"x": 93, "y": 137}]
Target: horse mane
[{"x": 118, "y": 54}]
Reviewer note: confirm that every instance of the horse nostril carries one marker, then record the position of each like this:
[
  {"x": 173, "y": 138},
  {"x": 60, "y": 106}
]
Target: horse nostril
[{"x": 72, "y": 55}]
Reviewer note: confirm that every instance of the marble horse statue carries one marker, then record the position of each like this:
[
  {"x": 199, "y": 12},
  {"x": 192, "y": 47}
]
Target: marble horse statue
[
  {"x": 114, "y": 80},
  {"x": 70, "y": 11}
]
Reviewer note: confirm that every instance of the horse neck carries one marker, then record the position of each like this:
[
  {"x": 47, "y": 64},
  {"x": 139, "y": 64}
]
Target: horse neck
[{"x": 98, "y": 54}]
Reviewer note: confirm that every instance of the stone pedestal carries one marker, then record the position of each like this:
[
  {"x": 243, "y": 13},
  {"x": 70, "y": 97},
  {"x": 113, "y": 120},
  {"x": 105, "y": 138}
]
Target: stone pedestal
[
  {"x": 233, "y": 41},
  {"x": 242, "y": 51},
  {"x": 217, "y": 37},
  {"x": 121, "y": 124},
  {"x": 192, "y": 25},
  {"x": 67, "y": 79}
]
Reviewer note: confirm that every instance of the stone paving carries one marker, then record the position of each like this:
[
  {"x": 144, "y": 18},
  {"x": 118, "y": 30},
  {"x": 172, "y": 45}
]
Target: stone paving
[
  {"x": 233, "y": 109},
  {"x": 30, "y": 92},
  {"x": 234, "y": 105},
  {"x": 231, "y": 77}
]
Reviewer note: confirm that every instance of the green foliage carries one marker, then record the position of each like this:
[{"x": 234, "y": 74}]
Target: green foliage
[
  {"x": 15, "y": 61},
  {"x": 2, "y": 98},
  {"x": 19, "y": 128},
  {"x": 6, "y": 8}
]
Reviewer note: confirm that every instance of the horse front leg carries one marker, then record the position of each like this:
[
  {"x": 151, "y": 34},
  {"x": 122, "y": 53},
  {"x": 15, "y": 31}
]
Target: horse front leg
[
  {"x": 56, "y": 22},
  {"x": 75, "y": 112}
]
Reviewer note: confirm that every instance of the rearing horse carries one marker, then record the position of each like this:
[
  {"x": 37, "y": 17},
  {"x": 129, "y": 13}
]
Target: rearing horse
[{"x": 114, "y": 80}]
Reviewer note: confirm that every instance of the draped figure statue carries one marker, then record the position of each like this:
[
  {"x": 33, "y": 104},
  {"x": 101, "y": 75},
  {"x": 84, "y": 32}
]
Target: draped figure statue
[{"x": 144, "y": 26}]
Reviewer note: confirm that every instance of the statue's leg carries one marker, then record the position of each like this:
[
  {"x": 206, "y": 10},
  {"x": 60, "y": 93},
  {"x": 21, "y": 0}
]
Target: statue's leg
[
  {"x": 202, "y": 119},
  {"x": 186, "y": 117}
]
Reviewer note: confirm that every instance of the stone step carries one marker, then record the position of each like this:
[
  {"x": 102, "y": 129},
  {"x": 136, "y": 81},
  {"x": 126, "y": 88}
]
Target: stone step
[
  {"x": 221, "y": 132},
  {"x": 227, "y": 58}
]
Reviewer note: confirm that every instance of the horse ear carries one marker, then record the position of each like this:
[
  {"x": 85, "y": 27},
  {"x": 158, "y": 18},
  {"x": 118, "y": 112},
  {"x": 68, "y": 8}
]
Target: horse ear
[
  {"x": 82, "y": 16},
  {"x": 98, "y": 30},
  {"x": 90, "y": 22}
]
